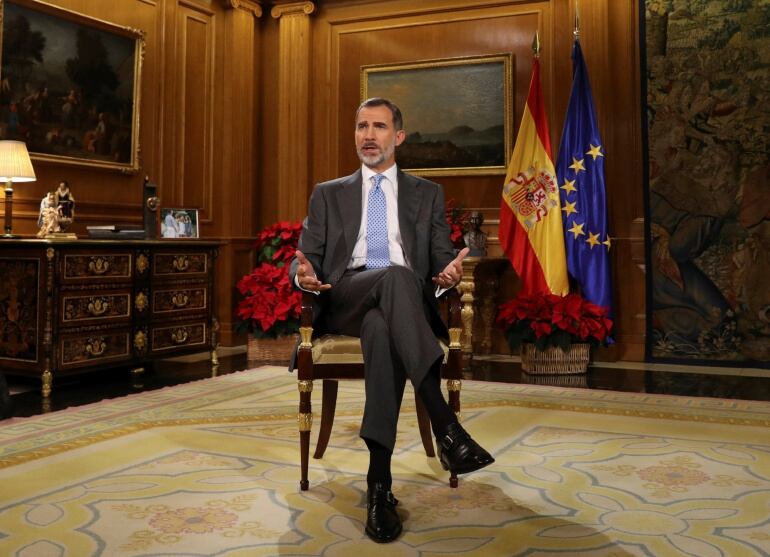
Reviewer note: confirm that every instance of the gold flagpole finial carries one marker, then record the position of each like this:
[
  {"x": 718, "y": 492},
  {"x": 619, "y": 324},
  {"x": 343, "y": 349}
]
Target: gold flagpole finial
[
  {"x": 576, "y": 30},
  {"x": 536, "y": 44}
]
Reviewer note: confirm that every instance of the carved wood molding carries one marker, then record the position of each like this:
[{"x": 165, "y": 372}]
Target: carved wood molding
[
  {"x": 252, "y": 6},
  {"x": 292, "y": 8}
]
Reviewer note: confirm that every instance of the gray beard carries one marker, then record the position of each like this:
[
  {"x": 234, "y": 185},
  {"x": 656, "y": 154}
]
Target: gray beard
[{"x": 375, "y": 160}]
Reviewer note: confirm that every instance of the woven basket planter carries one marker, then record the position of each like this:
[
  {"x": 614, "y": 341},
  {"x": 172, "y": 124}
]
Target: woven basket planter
[
  {"x": 271, "y": 350},
  {"x": 554, "y": 360},
  {"x": 556, "y": 380}
]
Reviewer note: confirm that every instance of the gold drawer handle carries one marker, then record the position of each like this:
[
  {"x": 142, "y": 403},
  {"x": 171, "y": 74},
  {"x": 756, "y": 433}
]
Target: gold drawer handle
[
  {"x": 141, "y": 301},
  {"x": 180, "y": 299},
  {"x": 179, "y": 336},
  {"x": 140, "y": 340},
  {"x": 96, "y": 346},
  {"x": 142, "y": 262},
  {"x": 98, "y": 306},
  {"x": 99, "y": 265},
  {"x": 181, "y": 263}
]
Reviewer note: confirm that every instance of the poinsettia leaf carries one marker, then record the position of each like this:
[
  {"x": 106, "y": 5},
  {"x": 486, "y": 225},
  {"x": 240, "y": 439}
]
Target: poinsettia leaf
[{"x": 267, "y": 253}]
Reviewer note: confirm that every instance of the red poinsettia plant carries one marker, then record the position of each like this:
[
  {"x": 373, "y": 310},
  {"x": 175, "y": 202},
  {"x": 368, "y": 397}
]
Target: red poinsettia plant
[
  {"x": 549, "y": 320},
  {"x": 271, "y": 306},
  {"x": 457, "y": 219}
]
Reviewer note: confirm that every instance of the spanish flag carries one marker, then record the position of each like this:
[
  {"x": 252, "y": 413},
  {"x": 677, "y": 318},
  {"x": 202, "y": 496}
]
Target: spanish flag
[{"x": 531, "y": 232}]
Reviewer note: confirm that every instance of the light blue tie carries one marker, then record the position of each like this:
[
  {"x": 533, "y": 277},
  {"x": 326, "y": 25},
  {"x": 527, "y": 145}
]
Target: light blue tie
[{"x": 377, "y": 252}]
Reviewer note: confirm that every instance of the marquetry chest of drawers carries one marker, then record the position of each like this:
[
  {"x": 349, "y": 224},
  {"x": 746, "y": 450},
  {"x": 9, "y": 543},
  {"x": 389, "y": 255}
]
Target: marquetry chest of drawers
[{"x": 68, "y": 306}]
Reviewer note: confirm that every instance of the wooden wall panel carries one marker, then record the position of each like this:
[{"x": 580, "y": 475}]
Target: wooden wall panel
[
  {"x": 293, "y": 105},
  {"x": 198, "y": 130},
  {"x": 349, "y": 35},
  {"x": 622, "y": 99},
  {"x": 235, "y": 150},
  {"x": 393, "y": 32},
  {"x": 268, "y": 131},
  {"x": 194, "y": 107},
  {"x": 210, "y": 131}
]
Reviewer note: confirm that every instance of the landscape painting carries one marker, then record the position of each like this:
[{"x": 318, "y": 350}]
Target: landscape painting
[
  {"x": 69, "y": 86},
  {"x": 457, "y": 112}
]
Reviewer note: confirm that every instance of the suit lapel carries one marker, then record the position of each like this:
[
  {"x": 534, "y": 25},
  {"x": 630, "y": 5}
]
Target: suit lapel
[
  {"x": 409, "y": 198},
  {"x": 349, "y": 202}
]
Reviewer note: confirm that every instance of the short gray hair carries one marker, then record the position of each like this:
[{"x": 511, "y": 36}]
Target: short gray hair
[{"x": 398, "y": 119}]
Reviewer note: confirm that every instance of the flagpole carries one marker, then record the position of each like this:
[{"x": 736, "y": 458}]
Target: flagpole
[
  {"x": 536, "y": 45},
  {"x": 576, "y": 30}
]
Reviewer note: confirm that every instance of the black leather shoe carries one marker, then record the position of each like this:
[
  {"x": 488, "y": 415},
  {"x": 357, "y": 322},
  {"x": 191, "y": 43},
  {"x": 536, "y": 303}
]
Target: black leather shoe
[
  {"x": 459, "y": 453},
  {"x": 383, "y": 524}
]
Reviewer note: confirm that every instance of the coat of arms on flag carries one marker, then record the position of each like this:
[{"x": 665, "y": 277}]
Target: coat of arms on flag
[{"x": 531, "y": 194}]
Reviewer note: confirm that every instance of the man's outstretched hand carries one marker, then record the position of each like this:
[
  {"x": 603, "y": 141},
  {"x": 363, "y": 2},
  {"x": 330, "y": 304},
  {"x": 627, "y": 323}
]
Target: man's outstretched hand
[
  {"x": 306, "y": 277},
  {"x": 453, "y": 272}
]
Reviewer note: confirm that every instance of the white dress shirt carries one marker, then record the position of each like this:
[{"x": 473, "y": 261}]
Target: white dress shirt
[{"x": 389, "y": 187}]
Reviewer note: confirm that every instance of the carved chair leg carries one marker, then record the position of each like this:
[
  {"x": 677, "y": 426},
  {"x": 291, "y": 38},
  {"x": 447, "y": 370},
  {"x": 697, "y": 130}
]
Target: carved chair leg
[
  {"x": 304, "y": 447},
  {"x": 305, "y": 421},
  {"x": 328, "y": 407},
  {"x": 423, "y": 422},
  {"x": 453, "y": 388}
]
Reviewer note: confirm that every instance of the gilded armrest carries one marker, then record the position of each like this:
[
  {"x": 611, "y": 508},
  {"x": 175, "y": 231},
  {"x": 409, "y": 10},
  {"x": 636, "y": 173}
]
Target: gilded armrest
[{"x": 306, "y": 321}]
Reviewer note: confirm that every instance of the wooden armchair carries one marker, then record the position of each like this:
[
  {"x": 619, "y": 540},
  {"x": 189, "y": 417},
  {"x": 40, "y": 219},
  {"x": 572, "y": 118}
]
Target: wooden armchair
[{"x": 335, "y": 357}]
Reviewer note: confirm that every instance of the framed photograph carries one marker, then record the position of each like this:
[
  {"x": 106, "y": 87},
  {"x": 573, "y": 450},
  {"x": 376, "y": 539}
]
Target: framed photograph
[
  {"x": 179, "y": 223},
  {"x": 69, "y": 86},
  {"x": 458, "y": 112}
]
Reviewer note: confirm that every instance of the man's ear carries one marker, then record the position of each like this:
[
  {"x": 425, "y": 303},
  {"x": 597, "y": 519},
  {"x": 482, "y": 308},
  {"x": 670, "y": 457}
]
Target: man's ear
[{"x": 400, "y": 137}]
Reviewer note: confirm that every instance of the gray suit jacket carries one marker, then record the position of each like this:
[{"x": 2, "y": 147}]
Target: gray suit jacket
[{"x": 334, "y": 219}]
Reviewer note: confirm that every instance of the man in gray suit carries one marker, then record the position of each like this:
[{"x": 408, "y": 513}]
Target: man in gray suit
[{"x": 375, "y": 247}]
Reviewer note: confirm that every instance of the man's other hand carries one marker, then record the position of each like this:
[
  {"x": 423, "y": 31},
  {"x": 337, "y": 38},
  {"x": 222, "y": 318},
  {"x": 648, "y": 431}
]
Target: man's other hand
[
  {"x": 453, "y": 272},
  {"x": 306, "y": 277}
]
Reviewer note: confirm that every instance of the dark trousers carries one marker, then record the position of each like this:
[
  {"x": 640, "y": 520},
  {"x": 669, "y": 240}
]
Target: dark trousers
[{"x": 384, "y": 307}]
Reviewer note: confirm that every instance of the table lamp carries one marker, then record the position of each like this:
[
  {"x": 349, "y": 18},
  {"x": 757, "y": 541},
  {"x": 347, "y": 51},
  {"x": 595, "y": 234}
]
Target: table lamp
[{"x": 15, "y": 166}]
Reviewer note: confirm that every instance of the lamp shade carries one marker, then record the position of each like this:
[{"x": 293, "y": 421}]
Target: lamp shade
[{"x": 15, "y": 165}]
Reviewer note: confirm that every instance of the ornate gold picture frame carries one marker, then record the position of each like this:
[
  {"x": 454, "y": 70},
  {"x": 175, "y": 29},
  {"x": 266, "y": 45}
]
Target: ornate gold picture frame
[
  {"x": 458, "y": 112},
  {"x": 70, "y": 86}
]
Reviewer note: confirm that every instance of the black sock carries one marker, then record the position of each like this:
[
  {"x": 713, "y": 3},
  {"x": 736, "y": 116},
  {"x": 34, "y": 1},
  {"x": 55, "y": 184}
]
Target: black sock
[
  {"x": 379, "y": 464},
  {"x": 441, "y": 415}
]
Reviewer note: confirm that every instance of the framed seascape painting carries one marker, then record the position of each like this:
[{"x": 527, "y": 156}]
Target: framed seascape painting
[
  {"x": 179, "y": 223},
  {"x": 459, "y": 112},
  {"x": 69, "y": 86}
]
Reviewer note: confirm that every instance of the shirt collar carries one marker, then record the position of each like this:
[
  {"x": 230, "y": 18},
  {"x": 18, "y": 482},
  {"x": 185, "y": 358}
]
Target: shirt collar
[{"x": 390, "y": 174}]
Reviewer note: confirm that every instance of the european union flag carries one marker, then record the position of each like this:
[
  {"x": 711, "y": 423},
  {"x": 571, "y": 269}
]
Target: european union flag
[{"x": 580, "y": 174}]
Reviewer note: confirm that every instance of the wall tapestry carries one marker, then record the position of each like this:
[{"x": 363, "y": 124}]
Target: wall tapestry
[{"x": 706, "y": 80}]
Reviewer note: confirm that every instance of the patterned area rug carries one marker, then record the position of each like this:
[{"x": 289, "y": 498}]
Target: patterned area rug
[{"x": 212, "y": 468}]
